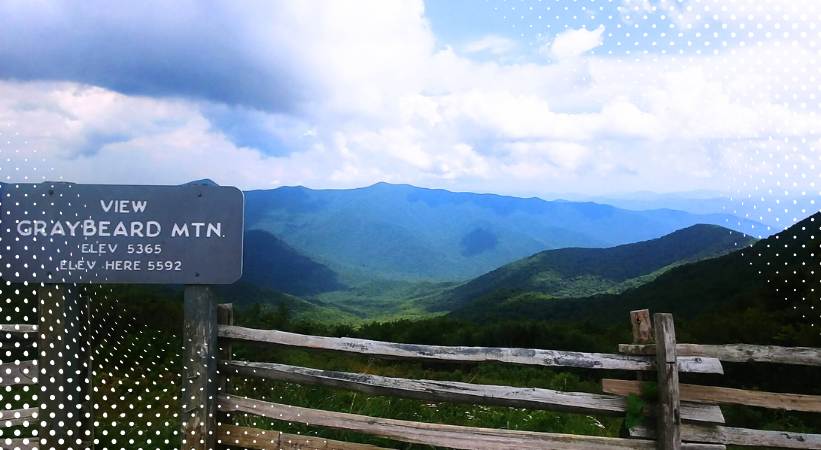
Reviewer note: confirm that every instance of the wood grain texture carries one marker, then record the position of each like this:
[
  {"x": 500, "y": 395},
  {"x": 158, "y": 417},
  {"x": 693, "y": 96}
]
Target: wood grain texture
[
  {"x": 724, "y": 396},
  {"x": 19, "y": 330},
  {"x": 452, "y": 436},
  {"x": 550, "y": 358},
  {"x": 449, "y": 391},
  {"x": 805, "y": 356},
  {"x": 19, "y": 444},
  {"x": 199, "y": 374},
  {"x": 18, "y": 373},
  {"x": 739, "y": 436},
  {"x": 16, "y": 417},
  {"x": 642, "y": 326},
  {"x": 668, "y": 418},
  {"x": 225, "y": 316},
  {"x": 254, "y": 438}
]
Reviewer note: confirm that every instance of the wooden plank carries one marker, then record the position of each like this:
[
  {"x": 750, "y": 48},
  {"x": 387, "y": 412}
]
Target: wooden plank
[
  {"x": 642, "y": 326},
  {"x": 18, "y": 373},
  {"x": 254, "y": 438},
  {"x": 225, "y": 316},
  {"x": 550, "y": 358},
  {"x": 805, "y": 356},
  {"x": 27, "y": 344},
  {"x": 64, "y": 364},
  {"x": 724, "y": 395},
  {"x": 199, "y": 426},
  {"x": 450, "y": 391},
  {"x": 668, "y": 418},
  {"x": 739, "y": 436},
  {"x": 18, "y": 330},
  {"x": 19, "y": 444},
  {"x": 17, "y": 417},
  {"x": 452, "y": 436}
]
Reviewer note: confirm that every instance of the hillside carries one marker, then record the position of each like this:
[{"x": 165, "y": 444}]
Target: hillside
[
  {"x": 770, "y": 275},
  {"x": 288, "y": 307},
  {"x": 411, "y": 233},
  {"x": 576, "y": 272},
  {"x": 270, "y": 263}
]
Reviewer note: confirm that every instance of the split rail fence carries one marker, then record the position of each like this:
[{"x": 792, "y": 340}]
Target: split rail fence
[
  {"x": 686, "y": 416},
  {"x": 50, "y": 361}
]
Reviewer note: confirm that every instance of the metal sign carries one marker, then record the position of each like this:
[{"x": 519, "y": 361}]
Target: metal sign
[{"x": 87, "y": 233}]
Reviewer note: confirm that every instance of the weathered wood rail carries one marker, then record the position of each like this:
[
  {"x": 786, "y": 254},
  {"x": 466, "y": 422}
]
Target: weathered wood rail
[
  {"x": 457, "y": 392},
  {"x": 724, "y": 396},
  {"x": 59, "y": 365},
  {"x": 246, "y": 437},
  {"x": 805, "y": 356},
  {"x": 718, "y": 433},
  {"x": 689, "y": 416},
  {"x": 18, "y": 373},
  {"x": 452, "y": 436},
  {"x": 526, "y": 356}
]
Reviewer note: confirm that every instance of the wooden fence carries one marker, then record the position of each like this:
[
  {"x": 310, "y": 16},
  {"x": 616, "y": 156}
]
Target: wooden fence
[
  {"x": 686, "y": 416},
  {"x": 56, "y": 363}
]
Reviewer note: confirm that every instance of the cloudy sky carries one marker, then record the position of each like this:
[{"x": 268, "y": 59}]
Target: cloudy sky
[{"x": 515, "y": 97}]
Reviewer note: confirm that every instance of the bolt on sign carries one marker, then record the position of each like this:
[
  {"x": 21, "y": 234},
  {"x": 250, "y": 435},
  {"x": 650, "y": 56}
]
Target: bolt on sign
[{"x": 89, "y": 233}]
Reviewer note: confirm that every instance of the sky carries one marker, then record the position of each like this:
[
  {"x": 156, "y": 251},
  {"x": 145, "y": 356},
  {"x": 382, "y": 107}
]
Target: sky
[{"x": 587, "y": 97}]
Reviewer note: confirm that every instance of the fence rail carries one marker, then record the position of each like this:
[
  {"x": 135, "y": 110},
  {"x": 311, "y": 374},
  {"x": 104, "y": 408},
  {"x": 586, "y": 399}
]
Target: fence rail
[
  {"x": 18, "y": 373},
  {"x": 740, "y": 353},
  {"x": 15, "y": 417},
  {"x": 246, "y": 437},
  {"x": 457, "y": 392},
  {"x": 724, "y": 395},
  {"x": 18, "y": 328},
  {"x": 526, "y": 356},
  {"x": 739, "y": 436},
  {"x": 688, "y": 416},
  {"x": 452, "y": 436}
]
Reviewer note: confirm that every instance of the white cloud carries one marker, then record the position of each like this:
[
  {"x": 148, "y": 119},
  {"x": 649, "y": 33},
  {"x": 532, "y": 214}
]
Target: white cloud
[
  {"x": 492, "y": 44},
  {"x": 574, "y": 42},
  {"x": 378, "y": 102}
]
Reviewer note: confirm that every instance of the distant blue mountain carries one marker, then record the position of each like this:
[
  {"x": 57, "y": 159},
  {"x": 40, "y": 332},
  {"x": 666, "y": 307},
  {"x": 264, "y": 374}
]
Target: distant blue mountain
[
  {"x": 271, "y": 264},
  {"x": 406, "y": 232}
]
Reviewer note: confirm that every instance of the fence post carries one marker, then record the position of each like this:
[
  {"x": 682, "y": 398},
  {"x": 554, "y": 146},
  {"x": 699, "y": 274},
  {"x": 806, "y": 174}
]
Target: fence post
[
  {"x": 225, "y": 316},
  {"x": 642, "y": 326},
  {"x": 668, "y": 423},
  {"x": 642, "y": 331},
  {"x": 199, "y": 383},
  {"x": 63, "y": 360}
]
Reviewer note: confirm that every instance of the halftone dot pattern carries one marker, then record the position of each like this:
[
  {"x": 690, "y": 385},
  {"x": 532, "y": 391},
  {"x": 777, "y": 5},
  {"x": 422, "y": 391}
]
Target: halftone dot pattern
[
  {"x": 757, "y": 64},
  {"x": 123, "y": 394},
  {"x": 747, "y": 52}
]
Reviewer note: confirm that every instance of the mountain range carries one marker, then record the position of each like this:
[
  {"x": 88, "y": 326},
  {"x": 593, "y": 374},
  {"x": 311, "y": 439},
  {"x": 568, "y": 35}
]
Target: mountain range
[
  {"x": 579, "y": 272},
  {"x": 774, "y": 274},
  {"x": 403, "y": 232},
  {"x": 277, "y": 273}
]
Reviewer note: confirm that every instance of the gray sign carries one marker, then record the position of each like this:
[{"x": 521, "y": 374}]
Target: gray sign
[{"x": 88, "y": 233}]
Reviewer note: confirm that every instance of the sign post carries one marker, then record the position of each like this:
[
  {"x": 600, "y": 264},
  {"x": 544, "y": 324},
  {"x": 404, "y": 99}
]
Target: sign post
[
  {"x": 60, "y": 235},
  {"x": 64, "y": 372}
]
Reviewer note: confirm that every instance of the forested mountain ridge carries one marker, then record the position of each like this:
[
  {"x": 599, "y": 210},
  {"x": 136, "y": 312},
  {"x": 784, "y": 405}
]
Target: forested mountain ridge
[
  {"x": 579, "y": 272},
  {"x": 771, "y": 274},
  {"x": 411, "y": 233}
]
